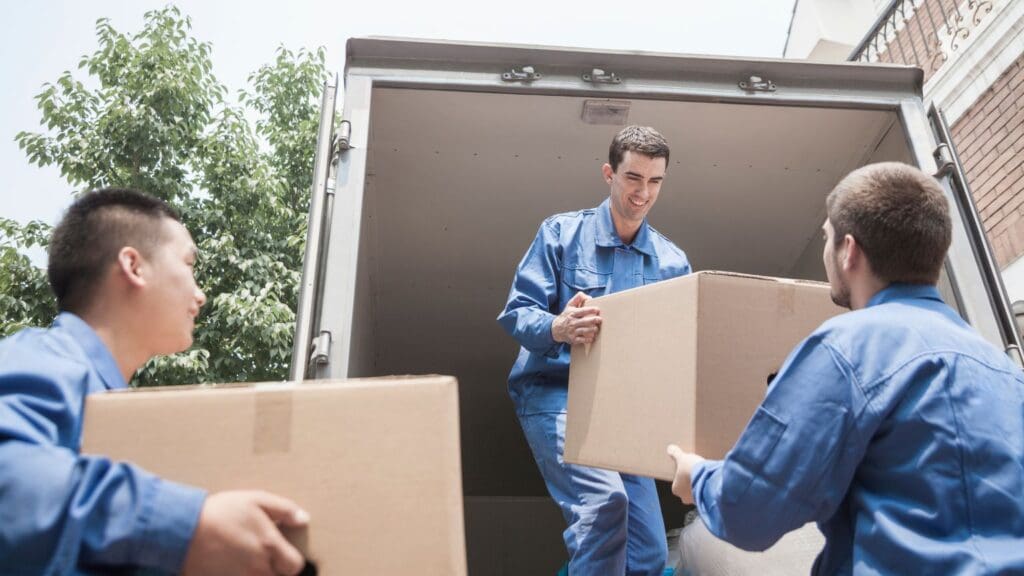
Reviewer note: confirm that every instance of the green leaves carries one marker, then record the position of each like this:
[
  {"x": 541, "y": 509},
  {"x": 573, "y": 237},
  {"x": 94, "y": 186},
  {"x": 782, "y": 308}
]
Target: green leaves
[
  {"x": 142, "y": 123},
  {"x": 153, "y": 116},
  {"x": 24, "y": 292}
]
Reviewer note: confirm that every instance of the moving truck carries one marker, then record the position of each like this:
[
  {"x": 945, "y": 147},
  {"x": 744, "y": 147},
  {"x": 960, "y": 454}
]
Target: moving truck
[{"x": 448, "y": 156}]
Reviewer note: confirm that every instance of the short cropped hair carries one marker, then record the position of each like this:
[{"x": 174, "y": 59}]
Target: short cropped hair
[
  {"x": 92, "y": 233},
  {"x": 900, "y": 218},
  {"x": 641, "y": 139}
]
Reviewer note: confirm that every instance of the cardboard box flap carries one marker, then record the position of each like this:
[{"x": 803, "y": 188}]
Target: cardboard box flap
[{"x": 759, "y": 277}]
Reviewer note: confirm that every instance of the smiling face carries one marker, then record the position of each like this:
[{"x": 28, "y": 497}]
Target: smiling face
[
  {"x": 173, "y": 298},
  {"x": 634, "y": 190}
]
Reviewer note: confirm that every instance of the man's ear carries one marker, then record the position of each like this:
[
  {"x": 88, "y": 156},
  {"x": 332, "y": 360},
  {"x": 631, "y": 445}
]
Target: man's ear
[
  {"x": 130, "y": 266},
  {"x": 852, "y": 256},
  {"x": 607, "y": 172}
]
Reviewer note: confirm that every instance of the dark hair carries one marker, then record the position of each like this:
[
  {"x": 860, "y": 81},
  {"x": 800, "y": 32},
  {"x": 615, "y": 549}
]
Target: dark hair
[
  {"x": 90, "y": 235},
  {"x": 900, "y": 218},
  {"x": 641, "y": 139}
]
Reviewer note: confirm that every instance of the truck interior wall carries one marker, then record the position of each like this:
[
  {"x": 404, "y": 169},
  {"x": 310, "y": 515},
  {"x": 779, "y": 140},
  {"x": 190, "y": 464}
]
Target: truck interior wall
[
  {"x": 457, "y": 184},
  {"x": 364, "y": 343},
  {"x": 890, "y": 147}
]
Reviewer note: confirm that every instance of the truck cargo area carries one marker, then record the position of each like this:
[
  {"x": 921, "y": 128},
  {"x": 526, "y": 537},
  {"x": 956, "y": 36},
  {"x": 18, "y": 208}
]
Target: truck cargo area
[
  {"x": 457, "y": 184},
  {"x": 449, "y": 156}
]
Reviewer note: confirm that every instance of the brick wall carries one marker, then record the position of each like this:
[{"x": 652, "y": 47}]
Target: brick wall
[
  {"x": 990, "y": 135},
  {"x": 932, "y": 23},
  {"x": 990, "y": 140}
]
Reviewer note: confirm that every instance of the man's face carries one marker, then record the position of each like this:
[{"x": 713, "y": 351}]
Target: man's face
[
  {"x": 173, "y": 299},
  {"x": 833, "y": 270},
  {"x": 635, "y": 186}
]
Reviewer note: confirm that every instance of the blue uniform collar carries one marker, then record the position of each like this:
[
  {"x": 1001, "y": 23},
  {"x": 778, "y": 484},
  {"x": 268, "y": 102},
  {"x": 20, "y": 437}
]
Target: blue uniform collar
[
  {"x": 607, "y": 237},
  {"x": 94, "y": 349},
  {"x": 898, "y": 291}
]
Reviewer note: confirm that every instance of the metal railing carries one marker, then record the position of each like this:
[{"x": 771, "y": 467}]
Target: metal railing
[{"x": 923, "y": 33}]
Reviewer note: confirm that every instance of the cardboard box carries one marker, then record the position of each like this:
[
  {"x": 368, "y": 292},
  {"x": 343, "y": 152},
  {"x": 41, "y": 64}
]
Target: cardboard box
[
  {"x": 684, "y": 361},
  {"x": 376, "y": 462}
]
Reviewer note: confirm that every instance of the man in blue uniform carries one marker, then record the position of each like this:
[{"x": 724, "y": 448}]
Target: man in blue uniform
[
  {"x": 614, "y": 520},
  {"x": 895, "y": 427},
  {"x": 120, "y": 265}
]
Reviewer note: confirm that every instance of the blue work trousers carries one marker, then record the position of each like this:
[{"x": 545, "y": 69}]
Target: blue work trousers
[{"x": 615, "y": 524}]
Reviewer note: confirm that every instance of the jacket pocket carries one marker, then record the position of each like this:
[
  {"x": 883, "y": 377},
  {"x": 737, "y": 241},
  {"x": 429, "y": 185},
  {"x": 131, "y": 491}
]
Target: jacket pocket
[{"x": 587, "y": 281}]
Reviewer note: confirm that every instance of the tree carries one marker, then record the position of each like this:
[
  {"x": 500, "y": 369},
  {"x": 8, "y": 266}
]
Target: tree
[
  {"x": 158, "y": 120},
  {"x": 24, "y": 293}
]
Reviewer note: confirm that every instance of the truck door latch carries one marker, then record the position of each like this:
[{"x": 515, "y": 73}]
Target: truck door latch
[
  {"x": 599, "y": 76},
  {"x": 527, "y": 74},
  {"x": 757, "y": 84}
]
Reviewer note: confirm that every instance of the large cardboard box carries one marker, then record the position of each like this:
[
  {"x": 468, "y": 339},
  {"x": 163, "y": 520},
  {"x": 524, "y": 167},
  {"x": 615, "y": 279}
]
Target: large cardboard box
[
  {"x": 685, "y": 361},
  {"x": 375, "y": 462}
]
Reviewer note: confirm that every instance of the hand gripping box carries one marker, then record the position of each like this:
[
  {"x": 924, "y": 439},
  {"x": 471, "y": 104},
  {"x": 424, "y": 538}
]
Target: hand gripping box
[
  {"x": 375, "y": 462},
  {"x": 684, "y": 361}
]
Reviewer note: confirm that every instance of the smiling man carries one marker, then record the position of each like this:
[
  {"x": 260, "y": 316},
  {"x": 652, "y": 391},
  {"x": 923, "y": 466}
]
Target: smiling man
[
  {"x": 121, "y": 267},
  {"x": 614, "y": 520},
  {"x": 896, "y": 427}
]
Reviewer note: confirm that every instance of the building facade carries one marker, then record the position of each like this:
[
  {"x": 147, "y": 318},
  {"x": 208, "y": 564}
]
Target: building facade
[{"x": 972, "y": 55}]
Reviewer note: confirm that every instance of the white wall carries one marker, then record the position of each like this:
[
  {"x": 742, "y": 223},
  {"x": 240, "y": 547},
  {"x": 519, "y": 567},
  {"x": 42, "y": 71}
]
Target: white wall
[
  {"x": 828, "y": 30},
  {"x": 1013, "y": 277}
]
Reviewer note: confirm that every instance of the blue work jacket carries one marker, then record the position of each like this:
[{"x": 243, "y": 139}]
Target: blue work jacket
[
  {"x": 62, "y": 512},
  {"x": 573, "y": 252},
  {"x": 900, "y": 431}
]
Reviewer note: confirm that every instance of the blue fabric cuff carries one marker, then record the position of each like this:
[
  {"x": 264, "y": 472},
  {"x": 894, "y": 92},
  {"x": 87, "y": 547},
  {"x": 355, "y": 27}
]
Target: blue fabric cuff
[
  {"x": 705, "y": 503},
  {"x": 553, "y": 348},
  {"x": 169, "y": 518}
]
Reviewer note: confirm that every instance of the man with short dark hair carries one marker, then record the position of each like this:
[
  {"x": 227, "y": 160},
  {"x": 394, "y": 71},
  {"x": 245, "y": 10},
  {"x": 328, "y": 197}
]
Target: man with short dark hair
[
  {"x": 121, "y": 266},
  {"x": 615, "y": 524},
  {"x": 895, "y": 427}
]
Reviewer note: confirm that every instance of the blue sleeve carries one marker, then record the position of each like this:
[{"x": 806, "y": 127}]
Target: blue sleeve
[
  {"x": 796, "y": 458},
  {"x": 59, "y": 509},
  {"x": 533, "y": 300}
]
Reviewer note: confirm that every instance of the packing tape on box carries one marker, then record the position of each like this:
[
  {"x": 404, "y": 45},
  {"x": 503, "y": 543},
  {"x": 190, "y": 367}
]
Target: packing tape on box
[
  {"x": 272, "y": 421},
  {"x": 787, "y": 298}
]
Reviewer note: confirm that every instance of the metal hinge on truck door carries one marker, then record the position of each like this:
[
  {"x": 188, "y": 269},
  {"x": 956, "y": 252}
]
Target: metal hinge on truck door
[
  {"x": 340, "y": 145},
  {"x": 343, "y": 139},
  {"x": 321, "y": 351},
  {"x": 944, "y": 161}
]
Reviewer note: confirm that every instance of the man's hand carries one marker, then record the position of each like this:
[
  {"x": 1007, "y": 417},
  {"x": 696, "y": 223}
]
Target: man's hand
[
  {"x": 577, "y": 324},
  {"x": 238, "y": 534},
  {"x": 685, "y": 461}
]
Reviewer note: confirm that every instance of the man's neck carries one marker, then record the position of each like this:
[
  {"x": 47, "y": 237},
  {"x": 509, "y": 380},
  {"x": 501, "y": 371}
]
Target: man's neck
[
  {"x": 862, "y": 292},
  {"x": 627, "y": 231},
  {"x": 119, "y": 341}
]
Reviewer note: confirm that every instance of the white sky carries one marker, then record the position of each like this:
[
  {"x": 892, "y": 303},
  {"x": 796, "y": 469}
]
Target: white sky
[{"x": 41, "y": 39}]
